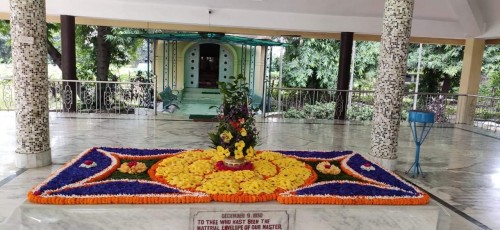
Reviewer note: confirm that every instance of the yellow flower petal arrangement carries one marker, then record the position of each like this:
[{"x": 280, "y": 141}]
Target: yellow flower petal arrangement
[
  {"x": 326, "y": 168},
  {"x": 132, "y": 167},
  {"x": 195, "y": 171}
]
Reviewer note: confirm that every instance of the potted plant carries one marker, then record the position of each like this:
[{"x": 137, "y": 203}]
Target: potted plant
[{"x": 236, "y": 135}]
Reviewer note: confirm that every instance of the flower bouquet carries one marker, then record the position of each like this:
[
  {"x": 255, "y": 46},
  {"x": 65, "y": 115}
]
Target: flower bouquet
[{"x": 236, "y": 135}]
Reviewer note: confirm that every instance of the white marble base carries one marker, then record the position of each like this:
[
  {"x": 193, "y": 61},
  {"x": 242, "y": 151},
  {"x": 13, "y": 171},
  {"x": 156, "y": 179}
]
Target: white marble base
[
  {"x": 33, "y": 160},
  {"x": 36, "y": 216},
  {"x": 389, "y": 164}
]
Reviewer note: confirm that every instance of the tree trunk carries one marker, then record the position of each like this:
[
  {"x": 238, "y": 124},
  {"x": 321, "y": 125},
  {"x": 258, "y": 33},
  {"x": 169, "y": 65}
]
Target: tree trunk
[
  {"x": 54, "y": 54},
  {"x": 446, "y": 84},
  {"x": 343, "y": 77},
  {"x": 103, "y": 55}
]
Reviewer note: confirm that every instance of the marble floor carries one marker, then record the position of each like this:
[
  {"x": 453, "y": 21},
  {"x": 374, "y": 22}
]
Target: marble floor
[{"x": 462, "y": 164}]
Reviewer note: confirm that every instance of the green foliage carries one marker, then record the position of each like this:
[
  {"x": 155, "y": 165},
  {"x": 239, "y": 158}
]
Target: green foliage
[
  {"x": 360, "y": 113},
  {"x": 5, "y": 47},
  {"x": 312, "y": 111},
  {"x": 491, "y": 87},
  {"x": 123, "y": 50},
  {"x": 294, "y": 113},
  {"x": 54, "y": 34},
  {"x": 491, "y": 59},
  {"x": 487, "y": 115},
  {"x": 311, "y": 63},
  {"x": 491, "y": 70},
  {"x": 439, "y": 63},
  {"x": 366, "y": 60},
  {"x": 357, "y": 112}
]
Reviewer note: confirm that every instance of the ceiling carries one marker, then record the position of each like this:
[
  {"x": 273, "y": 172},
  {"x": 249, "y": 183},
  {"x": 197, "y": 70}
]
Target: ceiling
[{"x": 432, "y": 18}]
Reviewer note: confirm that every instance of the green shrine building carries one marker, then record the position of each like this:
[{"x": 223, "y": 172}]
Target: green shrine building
[{"x": 194, "y": 62}]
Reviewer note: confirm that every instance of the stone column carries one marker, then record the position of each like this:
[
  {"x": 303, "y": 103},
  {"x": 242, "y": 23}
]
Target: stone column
[
  {"x": 470, "y": 79},
  {"x": 390, "y": 82},
  {"x": 29, "y": 58}
]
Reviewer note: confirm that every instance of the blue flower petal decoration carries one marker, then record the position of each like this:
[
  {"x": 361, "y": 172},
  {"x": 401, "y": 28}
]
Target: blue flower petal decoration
[
  {"x": 74, "y": 173},
  {"x": 114, "y": 187}
]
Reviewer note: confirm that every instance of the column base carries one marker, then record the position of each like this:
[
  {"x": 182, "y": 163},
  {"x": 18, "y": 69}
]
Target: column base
[
  {"x": 389, "y": 164},
  {"x": 33, "y": 160}
]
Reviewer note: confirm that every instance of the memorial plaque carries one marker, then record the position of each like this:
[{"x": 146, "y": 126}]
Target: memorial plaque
[
  {"x": 26, "y": 40},
  {"x": 241, "y": 220}
]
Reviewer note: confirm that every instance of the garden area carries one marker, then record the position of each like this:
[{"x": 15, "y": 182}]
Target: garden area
[{"x": 308, "y": 81}]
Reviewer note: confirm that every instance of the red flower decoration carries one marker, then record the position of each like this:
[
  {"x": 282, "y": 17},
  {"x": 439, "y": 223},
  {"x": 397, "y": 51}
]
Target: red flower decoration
[
  {"x": 235, "y": 125},
  {"x": 132, "y": 164},
  {"x": 327, "y": 166},
  {"x": 37, "y": 193},
  {"x": 367, "y": 164},
  {"x": 220, "y": 166},
  {"x": 88, "y": 162}
]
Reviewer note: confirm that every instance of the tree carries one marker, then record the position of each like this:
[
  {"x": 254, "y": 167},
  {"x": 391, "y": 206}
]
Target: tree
[
  {"x": 98, "y": 47},
  {"x": 440, "y": 63},
  {"x": 5, "y": 48},
  {"x": 54, "y": 43},
  {"x": 311, "y": 63},
  {"x": 365, "y": 64},
  {"x": 491, "y": 71}
]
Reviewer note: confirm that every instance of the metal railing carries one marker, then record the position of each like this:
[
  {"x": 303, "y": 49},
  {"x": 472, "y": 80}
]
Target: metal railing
[
  {"x": 138, "y": 98},
  {"x": 321, "y": 104},
  {"x": 91, "y": 97},
  {"x": 487, "y": 113},
  {"x": 6, "y": 94}
]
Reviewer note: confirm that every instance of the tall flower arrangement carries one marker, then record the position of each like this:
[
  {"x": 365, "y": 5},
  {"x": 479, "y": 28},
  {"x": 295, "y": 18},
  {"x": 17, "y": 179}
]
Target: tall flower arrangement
[{"x": 236, "y": 134}]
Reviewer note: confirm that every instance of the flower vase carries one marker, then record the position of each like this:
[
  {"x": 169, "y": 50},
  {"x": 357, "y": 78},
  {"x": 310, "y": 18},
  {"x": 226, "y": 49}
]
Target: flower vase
[{"x": 232, "y": 162}]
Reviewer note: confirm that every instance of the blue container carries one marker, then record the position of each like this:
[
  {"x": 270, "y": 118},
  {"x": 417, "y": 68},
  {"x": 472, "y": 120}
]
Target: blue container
[
  {"x": 421, "y": 116},
  {"x": 421, "y": 123}
]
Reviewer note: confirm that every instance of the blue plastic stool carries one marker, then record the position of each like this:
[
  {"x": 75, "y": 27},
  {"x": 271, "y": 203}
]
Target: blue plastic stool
[{"x": 426, "y": 121}]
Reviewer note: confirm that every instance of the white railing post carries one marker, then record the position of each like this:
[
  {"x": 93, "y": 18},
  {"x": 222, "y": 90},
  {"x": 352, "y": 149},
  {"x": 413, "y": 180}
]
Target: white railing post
[
  {"x": 418, "y": 76},
  {"x": 154, "y": 93}
]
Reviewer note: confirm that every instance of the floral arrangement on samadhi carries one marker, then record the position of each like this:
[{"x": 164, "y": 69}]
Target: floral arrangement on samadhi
[{"x": 236, "y": 134}]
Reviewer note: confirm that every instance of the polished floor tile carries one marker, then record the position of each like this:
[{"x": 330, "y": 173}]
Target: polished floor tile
[{"x": 461, "y": 165}]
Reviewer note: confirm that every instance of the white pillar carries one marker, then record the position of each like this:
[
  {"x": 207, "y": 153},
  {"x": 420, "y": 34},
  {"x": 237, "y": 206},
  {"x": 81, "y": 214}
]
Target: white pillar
[
  {"x": 29, "y": 58},
  {"x": 470, "y": 79},
  {"x": 390, "y": 82}
]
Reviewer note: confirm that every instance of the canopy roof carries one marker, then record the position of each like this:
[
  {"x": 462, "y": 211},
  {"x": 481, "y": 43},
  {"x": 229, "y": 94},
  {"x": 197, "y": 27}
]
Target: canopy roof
[
  {"x": 449, "y": 19},
  {"x": 208, "y": 36}
]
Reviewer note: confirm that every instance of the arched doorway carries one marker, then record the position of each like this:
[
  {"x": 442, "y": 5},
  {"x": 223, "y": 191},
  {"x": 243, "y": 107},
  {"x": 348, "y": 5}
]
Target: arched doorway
[{"x": 207, "y": 63}]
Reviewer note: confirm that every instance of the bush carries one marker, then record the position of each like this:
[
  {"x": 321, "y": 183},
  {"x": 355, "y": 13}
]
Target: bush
[
  {"x": 360, "y": 113},
  {"x": 487, "y": 115},
  {"x": 357, "y": 112},
  {"x": 294, "y": 113},
  {"x": 317, "y": 111}
]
